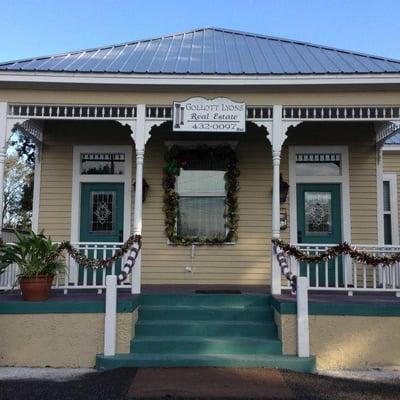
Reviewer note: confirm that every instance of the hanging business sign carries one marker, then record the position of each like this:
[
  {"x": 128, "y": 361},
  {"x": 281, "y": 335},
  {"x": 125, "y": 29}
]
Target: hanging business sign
[{"x": 201, "y": 115}]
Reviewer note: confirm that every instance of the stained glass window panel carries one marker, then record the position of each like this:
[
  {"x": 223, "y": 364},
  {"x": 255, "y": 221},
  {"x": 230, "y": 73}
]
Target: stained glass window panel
[
  {"x": 102, "y": 211},
  {"x": 318, "y": 213}
]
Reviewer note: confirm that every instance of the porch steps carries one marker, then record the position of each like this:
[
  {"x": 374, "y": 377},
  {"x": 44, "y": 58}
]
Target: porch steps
[{"x": 199, "y": 330}]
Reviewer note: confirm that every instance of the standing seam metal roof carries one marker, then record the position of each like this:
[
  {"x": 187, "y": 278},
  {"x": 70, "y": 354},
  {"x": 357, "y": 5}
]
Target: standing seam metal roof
[{"x": 211, "y": 51}]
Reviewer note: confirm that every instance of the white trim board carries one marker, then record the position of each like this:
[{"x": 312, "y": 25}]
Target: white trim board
[
  {"x": 199, "y": 80},
  {"x": 391, "y": 147},
  {"x": 77, "y": 179},
  {"x": 391, "y": 177},
  {"x": 344, "y": 180}
]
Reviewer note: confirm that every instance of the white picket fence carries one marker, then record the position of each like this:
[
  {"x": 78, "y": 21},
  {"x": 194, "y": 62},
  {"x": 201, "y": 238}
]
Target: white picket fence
[
  {"x": 76, "y": 277},
  {"x": 345, "y": 274}
]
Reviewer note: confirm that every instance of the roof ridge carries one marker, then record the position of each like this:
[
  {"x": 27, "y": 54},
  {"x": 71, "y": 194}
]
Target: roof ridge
[{"x": 216, "y": 29}]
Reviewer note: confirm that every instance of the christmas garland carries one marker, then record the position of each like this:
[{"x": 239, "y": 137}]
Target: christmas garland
[
  {"x": 176, "y": 158},
  {"x": 86, "y": 262},
  {"x": 283, "y": 264},
  {"x": 344, "y": 248}
]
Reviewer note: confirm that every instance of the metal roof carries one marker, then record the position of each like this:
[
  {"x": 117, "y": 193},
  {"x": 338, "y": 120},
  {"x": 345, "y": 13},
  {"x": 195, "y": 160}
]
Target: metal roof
[
  {"x": 395, "y": 139},
  {"x": 210, "y": 51}
]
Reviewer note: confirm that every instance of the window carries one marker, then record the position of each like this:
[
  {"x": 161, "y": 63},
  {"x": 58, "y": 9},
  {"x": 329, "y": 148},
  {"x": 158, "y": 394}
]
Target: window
[
  {"x": 201, "y": 209},
  {"x": 318, "y": 213},
  {"x": 102, "y": 206},
  {"x": 102, "y": 163},
  {"x": 320, "y": 164},
  {"x": 390, "y": 224}
]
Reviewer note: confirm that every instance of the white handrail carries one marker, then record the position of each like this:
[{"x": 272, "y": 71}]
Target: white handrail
[{"x": 346, "y": 274}]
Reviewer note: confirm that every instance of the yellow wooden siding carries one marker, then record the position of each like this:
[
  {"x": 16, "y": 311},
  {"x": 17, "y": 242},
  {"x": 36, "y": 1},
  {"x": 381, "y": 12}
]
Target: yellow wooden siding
[
  {"x": 56, "y": 180},
  {"x": 360, "y": 139},
  {"x": 166, "y": 95},
  {"x": 247, "y": 261}
]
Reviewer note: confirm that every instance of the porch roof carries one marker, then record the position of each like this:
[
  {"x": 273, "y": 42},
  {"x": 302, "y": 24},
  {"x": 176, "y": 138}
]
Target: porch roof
[
  {"x": 395, "y": 139},
  {"x": 211, "y": 51}
]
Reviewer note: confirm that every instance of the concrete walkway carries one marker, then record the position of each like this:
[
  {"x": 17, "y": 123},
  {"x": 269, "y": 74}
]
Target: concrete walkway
[
  {"x": 209, "y": 383},
  {"x": 190, "y": 383}
]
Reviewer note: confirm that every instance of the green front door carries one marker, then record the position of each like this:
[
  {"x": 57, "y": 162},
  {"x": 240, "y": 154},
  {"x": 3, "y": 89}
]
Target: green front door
[
  {"x": 102, "y": 216},
  {"x": 319, "y": 222}
]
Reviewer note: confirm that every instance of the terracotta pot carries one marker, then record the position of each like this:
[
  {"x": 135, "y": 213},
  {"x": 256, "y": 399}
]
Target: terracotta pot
[
  {"x": 50, "y": 279},
  {"x": 36, "y": 289}
]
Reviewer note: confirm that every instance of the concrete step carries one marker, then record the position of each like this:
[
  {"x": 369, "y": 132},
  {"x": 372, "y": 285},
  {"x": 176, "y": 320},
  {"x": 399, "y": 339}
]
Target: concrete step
[
  {"x": 204, "y": 345},
  {"x": 205, "y": 360},
  {"x": 209, "y": 313},
  {"x": 263, "y": 329},
  {"x": 229, "y": 300}
]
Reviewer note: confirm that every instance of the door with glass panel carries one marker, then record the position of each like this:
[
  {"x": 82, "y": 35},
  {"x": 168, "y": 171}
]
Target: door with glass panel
[
  {"x": 102, "y": 216},
  {"x": 319, "y": 222}
]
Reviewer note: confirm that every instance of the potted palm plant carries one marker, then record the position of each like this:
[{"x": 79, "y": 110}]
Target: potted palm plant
[{"x": 38, "y": 259}]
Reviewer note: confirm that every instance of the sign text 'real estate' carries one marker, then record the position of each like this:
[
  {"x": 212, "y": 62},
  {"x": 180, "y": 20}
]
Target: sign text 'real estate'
[{"x": 201, "y": 115}]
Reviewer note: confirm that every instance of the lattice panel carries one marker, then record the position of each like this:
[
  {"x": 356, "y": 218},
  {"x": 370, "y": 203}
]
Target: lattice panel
[
  {"x": 159, "y": 112},
  {"x": 51, "y": 111},
  {"x": 259, "y": 113},
  {"x": 341, "y": 113}
]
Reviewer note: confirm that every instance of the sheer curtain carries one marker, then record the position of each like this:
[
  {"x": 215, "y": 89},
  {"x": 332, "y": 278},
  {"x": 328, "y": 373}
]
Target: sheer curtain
[{"x": 202, "y": 201}]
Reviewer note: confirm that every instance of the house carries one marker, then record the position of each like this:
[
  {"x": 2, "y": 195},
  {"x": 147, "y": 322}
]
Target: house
[{"x": 208, "y": 144}]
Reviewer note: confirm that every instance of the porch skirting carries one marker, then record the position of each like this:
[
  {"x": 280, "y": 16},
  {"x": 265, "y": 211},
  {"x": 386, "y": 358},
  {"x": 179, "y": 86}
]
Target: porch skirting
[
  {"x": 59, "y": 339},
  {"x": 342, "y": 341},
  {"x": 348, "y": 332}
]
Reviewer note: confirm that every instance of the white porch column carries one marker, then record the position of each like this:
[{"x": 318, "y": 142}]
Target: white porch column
[
  {"x": 36, "y": 188},
  {"x": 3, "y": 149},
  {"x": 140, "y": 137},
  {"x": 277, "y": 137}
]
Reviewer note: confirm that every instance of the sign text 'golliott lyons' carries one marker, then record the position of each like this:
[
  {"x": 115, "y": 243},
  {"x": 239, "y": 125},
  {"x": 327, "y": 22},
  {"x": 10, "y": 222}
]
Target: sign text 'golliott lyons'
[{"x": 202, "y": 115}]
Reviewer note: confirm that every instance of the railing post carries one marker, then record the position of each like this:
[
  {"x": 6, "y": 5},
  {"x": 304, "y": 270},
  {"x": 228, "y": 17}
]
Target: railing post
[
  {"x": 110, "y": 320},
  {"x": 303, "y": 329}
]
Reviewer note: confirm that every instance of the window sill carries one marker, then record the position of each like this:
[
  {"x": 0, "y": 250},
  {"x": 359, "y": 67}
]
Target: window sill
[{"x": 169, "y": 243}]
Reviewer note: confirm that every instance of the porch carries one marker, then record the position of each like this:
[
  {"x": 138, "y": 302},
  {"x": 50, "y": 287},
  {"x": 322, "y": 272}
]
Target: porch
[{"x": 276, "y": 137}]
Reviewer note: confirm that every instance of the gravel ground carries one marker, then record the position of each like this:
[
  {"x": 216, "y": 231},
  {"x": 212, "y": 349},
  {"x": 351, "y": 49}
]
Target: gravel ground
[
  {"x": 319, "y": 387},
  {"x": 373, "y": 375},
  {"x": 53, "y": 374},
  {"x": 113, "y": 385},
  {"x": 110, "y": 385}
]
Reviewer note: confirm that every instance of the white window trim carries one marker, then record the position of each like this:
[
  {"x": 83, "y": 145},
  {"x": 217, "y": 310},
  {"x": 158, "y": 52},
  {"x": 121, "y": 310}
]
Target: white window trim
[
  {"x": 392, "y": 179},
  {"x": 78, "y": 178},
  {"x": 343, "y": 180}
]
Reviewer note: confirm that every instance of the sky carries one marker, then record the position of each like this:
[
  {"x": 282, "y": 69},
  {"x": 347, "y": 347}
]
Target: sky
[{"x": 30, "y": 28}]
